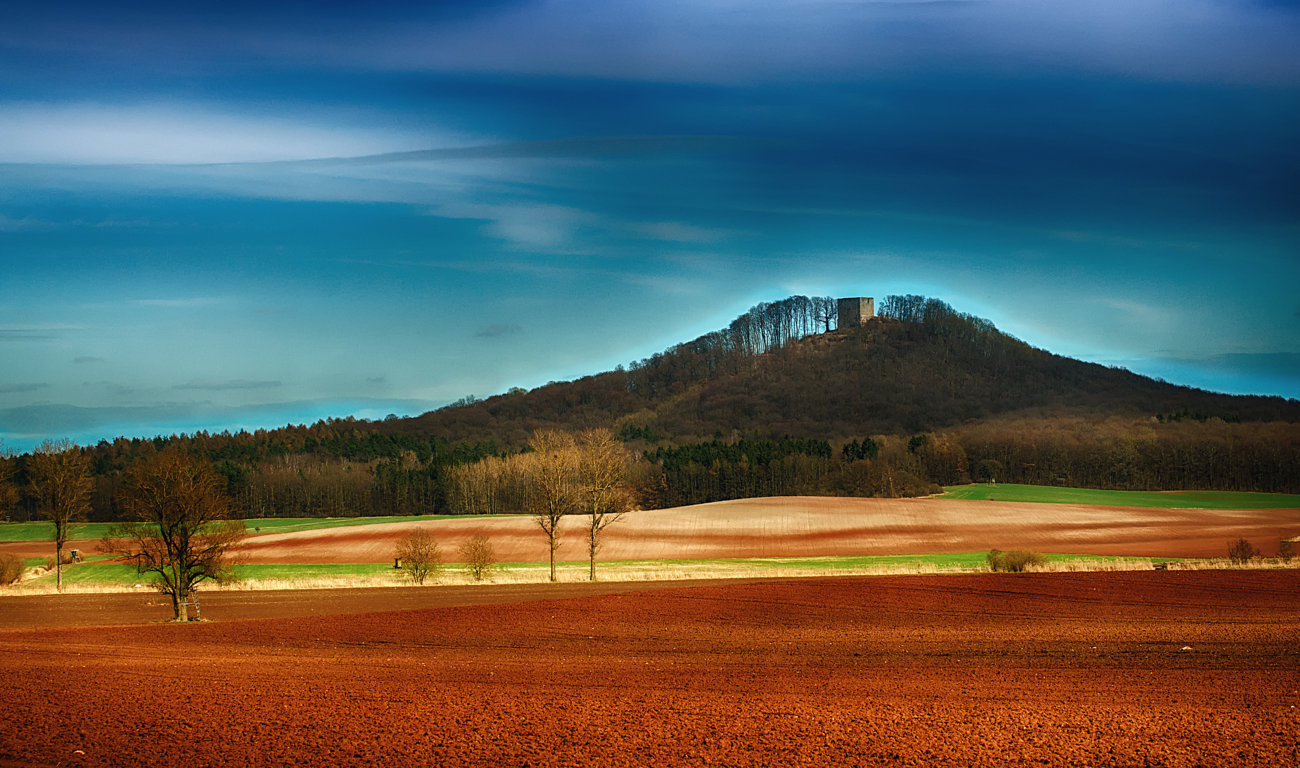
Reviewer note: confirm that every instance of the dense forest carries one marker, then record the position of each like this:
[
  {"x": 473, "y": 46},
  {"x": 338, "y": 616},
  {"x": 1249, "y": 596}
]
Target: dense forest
[{"x": 778, "y": 403}]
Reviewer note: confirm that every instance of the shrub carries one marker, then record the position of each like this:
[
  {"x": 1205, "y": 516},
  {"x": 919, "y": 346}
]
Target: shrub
[
  {"x": 479, "y": 557},
  {"x": 1242, "y": 551},
  {"x": 1286, "y": 550},
  {"x": 11, "y": 568},
  {"x": 1013, "y": 562},
  {"x": 420, "y": 555}
]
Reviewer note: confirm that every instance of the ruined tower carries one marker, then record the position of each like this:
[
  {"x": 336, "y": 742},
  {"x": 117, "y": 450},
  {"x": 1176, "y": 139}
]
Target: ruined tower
[{"x": 856, "y": 311}]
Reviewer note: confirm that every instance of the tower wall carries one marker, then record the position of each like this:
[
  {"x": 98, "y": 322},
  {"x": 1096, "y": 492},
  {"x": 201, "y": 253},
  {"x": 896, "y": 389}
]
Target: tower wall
[{"x": 855, "y": 311}]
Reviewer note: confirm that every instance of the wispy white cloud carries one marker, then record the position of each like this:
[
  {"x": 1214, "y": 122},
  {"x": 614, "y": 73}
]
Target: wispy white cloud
[
  {"x": 10, "y": 224},
  {"x": 36, "y": 332},
  {"x": 540, "y": 227},
  {"x": 226, "y": 385},
  {"x": 181, "y": 303},
  {"x": 90, "y": 133},
  {"x": 678, "y": 232},
  {"x": 1150, "y": 317}
]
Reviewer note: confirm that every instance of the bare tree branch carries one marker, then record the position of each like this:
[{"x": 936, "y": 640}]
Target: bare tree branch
[{"x": 181, "y": 530}]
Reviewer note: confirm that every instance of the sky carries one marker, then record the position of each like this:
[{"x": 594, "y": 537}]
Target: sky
[{"x": 240, "y": 215}]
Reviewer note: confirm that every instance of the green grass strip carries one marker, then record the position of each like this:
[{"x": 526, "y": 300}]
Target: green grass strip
[
  {"x": 120, "y": 574},
  {"x": 1091, "y": 496},
  {"x": 41, "y": 530},
  {"x": 309, "y": 570},
  {"x": 96, "y": 573}
]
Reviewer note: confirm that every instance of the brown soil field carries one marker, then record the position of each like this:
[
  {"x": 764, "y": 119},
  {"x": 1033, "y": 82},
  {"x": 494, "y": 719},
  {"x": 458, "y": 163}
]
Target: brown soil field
[
  {"x": 819, "y": 526},
  {"x": 805, "y": 526},
  {"x": 1197, "y": 668}
]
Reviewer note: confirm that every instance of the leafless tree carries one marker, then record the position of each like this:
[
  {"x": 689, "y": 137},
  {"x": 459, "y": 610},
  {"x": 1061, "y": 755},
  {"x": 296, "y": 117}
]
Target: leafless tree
[
  {"x": 180, "y": 531},
  {"x": 420, "y": 555},
  {"x": 553, "y": 491},
  {"x": 602, "y": 482},
  {"x": 11, "y": 568},
  {"x": 479, "y": 556},
  {"x": 61, "y": 485},
  {"x": 1242, "y": 551}
]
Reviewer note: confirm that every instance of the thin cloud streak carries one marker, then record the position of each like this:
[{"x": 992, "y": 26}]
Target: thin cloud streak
[{"x": 231, "y": 384}]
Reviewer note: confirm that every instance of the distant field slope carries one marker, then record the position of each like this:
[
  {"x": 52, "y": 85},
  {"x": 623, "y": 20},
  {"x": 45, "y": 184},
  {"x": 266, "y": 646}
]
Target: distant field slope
[{"x": 1163, "y": 499}]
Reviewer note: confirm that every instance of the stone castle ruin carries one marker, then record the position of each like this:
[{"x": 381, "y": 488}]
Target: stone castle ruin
[{"x": 856, "y": 311}]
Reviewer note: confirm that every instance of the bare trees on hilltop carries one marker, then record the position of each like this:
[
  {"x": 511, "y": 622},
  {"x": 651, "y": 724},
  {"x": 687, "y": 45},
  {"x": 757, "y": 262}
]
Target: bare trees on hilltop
[{"x": 765, "y": 327}]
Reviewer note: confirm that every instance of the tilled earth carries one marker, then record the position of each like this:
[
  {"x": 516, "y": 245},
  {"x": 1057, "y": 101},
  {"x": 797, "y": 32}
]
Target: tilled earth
[{"x": 1144, "y": 668}]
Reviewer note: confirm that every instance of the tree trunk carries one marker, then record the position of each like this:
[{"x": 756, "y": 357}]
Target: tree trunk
[
  {"x": 555, "y": 543},
  {"x": 58, "y": 565},
  {"x": 177, "y": 606}
]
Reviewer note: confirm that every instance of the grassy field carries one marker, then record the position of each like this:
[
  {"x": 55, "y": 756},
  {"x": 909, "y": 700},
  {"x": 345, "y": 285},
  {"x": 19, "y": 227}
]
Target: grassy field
[
  {"x": 44, "y": 531},
  {"x": 1163, "y": 499}
]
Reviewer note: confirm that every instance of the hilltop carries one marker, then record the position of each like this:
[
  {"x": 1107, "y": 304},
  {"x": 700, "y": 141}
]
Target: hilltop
[{"x": 918, "y": 367}]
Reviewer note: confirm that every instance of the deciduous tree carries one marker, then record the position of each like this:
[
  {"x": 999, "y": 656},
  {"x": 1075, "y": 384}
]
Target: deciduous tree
[
  {"x": 479, "y": 556},
  {"x": 420, "y": 555},
  {"x": 553, "y": 491},
  {"x": 1242, "y": 551},
  {"x": 602, "y": 485},
  {"x": 60, "y": 485},
  {"x": 11, "y": 568},
  {"x": 180, "y": 529}
]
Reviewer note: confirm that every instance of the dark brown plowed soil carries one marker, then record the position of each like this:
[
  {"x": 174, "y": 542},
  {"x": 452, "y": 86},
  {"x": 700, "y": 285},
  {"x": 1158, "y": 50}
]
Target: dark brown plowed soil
[{"x": 1144, "y": 668}]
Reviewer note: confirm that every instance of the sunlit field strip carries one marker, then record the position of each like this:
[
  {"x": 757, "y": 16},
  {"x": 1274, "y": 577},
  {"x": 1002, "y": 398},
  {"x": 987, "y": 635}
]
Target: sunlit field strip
[
  {"x": 109, "y": 577},
  {"x": 1161, "y": 499}
]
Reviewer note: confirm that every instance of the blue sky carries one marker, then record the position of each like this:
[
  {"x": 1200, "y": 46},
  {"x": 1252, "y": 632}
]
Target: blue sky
[{"x": 240, "y": 215}]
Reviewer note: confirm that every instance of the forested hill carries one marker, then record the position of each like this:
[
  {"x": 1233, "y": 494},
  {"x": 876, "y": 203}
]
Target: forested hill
[
  {"x": 921, "y": 366},
  {"x": 773, "y": 405}
]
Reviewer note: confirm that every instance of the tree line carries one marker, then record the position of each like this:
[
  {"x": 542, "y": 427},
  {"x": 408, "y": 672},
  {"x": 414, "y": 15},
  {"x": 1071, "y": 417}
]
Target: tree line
[{"x": 335, "y": 468}]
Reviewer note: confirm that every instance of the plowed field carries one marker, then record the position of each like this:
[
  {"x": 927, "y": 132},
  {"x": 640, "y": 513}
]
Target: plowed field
[
  {"x": 1142, "y": 668},
  {"x": 819, "y": 526}
]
